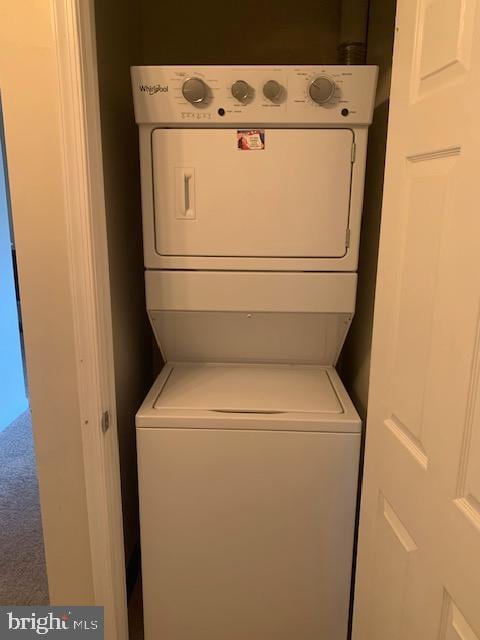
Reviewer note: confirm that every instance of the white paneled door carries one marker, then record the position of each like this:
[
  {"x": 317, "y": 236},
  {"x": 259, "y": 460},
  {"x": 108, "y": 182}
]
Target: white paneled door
[{"x": 418, "y": 574}]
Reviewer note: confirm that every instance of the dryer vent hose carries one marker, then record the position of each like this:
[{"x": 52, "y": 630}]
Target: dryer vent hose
[
  {"x": 353, "y": 32},
  {"x": 352, "y": 53}
]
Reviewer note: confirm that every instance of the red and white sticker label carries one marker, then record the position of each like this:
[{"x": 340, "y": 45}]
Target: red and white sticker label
[{"x": 251, "y": 139}]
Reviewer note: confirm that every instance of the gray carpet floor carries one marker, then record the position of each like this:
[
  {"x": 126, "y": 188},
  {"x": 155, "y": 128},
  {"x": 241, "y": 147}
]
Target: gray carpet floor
[{"x": 23, "y": 578}]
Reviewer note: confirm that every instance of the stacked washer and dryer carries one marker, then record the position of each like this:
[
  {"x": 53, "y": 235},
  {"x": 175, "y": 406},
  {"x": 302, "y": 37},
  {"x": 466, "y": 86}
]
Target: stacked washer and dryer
[{"x": 248, "y": 444}]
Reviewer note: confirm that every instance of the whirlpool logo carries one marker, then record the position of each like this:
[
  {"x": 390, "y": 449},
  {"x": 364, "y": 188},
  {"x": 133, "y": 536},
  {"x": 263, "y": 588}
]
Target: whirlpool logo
[
  {"x": 152, "y": 89},
  {"x": 60, "y": 622}
]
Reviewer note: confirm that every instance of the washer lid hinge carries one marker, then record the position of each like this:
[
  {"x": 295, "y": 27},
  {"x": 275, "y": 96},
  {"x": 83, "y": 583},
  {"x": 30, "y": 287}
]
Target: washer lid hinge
[
  {"x": 347, "y": 238},
  {"x": 354, "y": 148}
]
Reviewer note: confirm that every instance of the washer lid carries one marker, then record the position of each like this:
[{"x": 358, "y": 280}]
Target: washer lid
[{"x": 249, "y": 388}]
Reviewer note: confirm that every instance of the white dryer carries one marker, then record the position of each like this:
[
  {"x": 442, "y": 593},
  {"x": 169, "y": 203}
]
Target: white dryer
[{"x": 248, "y": 445}]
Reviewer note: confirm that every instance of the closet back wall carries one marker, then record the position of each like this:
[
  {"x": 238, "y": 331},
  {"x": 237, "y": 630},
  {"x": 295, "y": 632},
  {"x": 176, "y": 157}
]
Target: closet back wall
[
  {"x": 250, "y": 32},
  {"x": 136, "y": 32}
]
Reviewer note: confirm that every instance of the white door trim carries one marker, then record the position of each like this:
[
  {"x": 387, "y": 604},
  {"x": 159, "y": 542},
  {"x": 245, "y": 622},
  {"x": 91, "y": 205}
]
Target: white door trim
[{"x": 74, "y": 29}]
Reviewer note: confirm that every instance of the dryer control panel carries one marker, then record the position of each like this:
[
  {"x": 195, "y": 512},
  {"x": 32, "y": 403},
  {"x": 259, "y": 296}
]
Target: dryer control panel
[{"x": 301, "y": 96}]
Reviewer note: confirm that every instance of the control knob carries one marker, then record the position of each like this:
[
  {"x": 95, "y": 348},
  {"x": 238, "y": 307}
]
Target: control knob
[
  {"x": 273, "y": 91},
  {"x": 195, "y": 91},
  {"x": 322, "y": 89},
  {"x": 241, "y": 91}
]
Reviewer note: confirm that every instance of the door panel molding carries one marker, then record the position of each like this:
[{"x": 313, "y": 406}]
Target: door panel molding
[
  {"x": 409, "y": 441},
  {"x": 436, "y": 67},
  {"x": 397, "y": 526},
  {"x": 453, "y": 625}
]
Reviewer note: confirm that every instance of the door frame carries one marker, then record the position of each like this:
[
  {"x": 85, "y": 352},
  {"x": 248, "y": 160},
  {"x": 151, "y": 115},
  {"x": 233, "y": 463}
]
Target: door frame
[{"x": 75, "y": 37}]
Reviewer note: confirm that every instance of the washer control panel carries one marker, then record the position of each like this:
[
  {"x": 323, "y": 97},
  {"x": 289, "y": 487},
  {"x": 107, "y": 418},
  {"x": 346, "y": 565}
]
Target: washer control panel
[{"x": 220, "y": 95}]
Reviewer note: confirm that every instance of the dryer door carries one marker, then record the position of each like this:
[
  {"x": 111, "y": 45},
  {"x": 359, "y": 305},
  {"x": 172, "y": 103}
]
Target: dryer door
[{"x": 263, "y": 193}]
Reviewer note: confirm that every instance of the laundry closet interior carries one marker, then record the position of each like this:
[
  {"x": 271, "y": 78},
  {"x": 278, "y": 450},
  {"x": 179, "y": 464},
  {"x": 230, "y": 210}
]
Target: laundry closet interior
[{"x": 206, "y": 342}]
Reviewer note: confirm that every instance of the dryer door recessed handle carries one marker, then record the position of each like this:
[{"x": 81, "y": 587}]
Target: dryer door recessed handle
[{"x": 185, "y": 190}]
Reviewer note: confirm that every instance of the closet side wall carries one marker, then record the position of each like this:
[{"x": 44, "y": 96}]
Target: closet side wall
[
  {"x": 354, "y": 363},
  {"x": 117, "y": 26}
]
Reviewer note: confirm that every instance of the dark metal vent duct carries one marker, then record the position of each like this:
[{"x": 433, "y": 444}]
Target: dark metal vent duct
[
  {"x": 353, "y": 32},
  {"x": 352, "y": 53}
]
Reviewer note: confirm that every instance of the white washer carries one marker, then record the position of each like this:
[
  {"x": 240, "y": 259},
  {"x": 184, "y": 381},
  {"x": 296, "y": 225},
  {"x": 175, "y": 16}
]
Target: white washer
[
  {"x": 248, "y": 484},
  {"x": 248, "y": 445}
]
